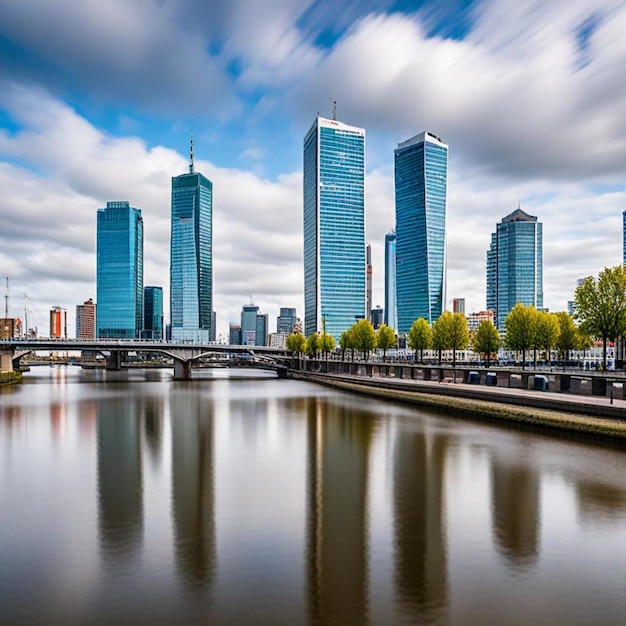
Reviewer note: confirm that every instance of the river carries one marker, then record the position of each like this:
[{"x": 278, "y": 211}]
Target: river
[{"x": 238, "y": 498}]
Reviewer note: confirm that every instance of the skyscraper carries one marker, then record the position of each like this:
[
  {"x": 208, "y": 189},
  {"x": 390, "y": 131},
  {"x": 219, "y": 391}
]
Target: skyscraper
[
  {"x": 119, "y": 280},
  {"x": 191, "y": 256},
  {"x": 58, "y": 322},
  {"x": 286, "y": 321},
  {"x": 86, "y": 320},
  {"x": 368, "y": 282},
  {"x": 249, "y": 314},
  {"x": 153, "y": 312},
  {"x": 391, "y": 312},
  {"x": 421, "y": 173},
  {"x": 515, "y": 265},
  {"x": 334, "y": 226}
]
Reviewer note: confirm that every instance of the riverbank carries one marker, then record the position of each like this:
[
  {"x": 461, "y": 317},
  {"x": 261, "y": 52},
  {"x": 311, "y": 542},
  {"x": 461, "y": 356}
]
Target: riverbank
[
  {"x": 454, "y": 400},
  {"x": 10, "y": 378}
]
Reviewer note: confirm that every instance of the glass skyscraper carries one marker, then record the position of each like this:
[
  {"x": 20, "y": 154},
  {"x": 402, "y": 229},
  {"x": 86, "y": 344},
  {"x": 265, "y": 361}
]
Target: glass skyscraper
[
  {"x": 153, "y": 312},
  {"x": 334, "y": 226},
  {"x": 515, "y": 265},
  {"x": 119, "y": 273},
  {"x": 191, "y": 256},
  {"x": 391, "y": 311},
  {"x": 421, "y": 174}
]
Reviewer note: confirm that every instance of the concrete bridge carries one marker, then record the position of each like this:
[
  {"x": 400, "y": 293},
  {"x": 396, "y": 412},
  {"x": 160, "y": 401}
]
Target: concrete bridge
[{"x": 114, "y": 350}]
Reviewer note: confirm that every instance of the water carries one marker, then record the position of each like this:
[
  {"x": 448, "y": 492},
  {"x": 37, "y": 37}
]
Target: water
[{"x": 264, "y": 501}]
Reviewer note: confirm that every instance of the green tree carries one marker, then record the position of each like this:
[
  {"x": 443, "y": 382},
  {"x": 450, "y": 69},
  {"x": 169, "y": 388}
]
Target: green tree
[
  {"x": 296, "y": 343},
  {"x": 420, "y": 337},
  {"x": 365, "y": 337},
  {"x": 520, "y": 329},
  {"x": 312, "y": 345},
  {"x": 386, "y": 339},
  {"x": 459, "y": 334},
  {"x": 442, "y": 338},
  {"x": 568, "y": 334},
  {"x": 547, "y": 332},
  {"x": 326, "y": 343},
  {"x": 601, "y": 306},
  {"x": 344, "y": 343},
  {"x": 486, "y": 340}
]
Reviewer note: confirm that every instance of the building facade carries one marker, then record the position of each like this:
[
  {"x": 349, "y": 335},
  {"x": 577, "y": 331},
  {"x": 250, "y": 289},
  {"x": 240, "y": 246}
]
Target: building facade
[
  {"x": 391, "y": 311},
  {"x": 421, "y": 174},
  {"x": 249, "y": 313},
  {"x": 474, "y": 320},
  {"x": 515, "y": 265},
  {"x": 191, "y": 256},
  {"x": 334, "y": 226},
  {"x": 58, "y": 323},
  {"x": 286, "y": 321},
  {"x": 86, "y": 320},
  {"x": 234, "y": 334},
  {"x": 262, "y": 321},
  {"x": 119, "y": 280},
  {"x": 153, "y": 312},
  {"x": 458, "y": 305},
  {"x": 368, "y": 282},
  {"x": 377, "y": 316}
]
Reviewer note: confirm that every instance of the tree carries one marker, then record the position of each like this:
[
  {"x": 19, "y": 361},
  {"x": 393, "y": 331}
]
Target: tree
[
  {"x": 344, "y": 343},
  {"x": 547, "y": 332},
  {"x": 442, "y": 339},
  {"x": 386, "y": 339},
  {"x": 520, "y": 329},
  {"x": 312, "y": 345},
  {"x": 326, "y": 343},
  {"x": 601, "y": 305},
  {"x": 365, "y": 337},
  {"x": 420, "y": 337},
  {"x": 459, "y": 334},
  {"x": 568, "y": 334},
  {"x": 486, "y": 340},
  {"x": 296, "y": 343}
]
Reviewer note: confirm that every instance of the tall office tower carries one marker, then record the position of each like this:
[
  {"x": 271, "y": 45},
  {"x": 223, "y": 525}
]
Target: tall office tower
[
  {"x": 286, "y": 321},
  {"x": 86, "y": 320},
  {"x": 262, "y": 322},
  {"x": 119, "y": 282},
  {"x": 234, "y": 334},
  {"x": 458, "y": 305},
  {"x": 153, "y": 312},
  {"x": 515, "y": 265},
  {"x": 213, "y": 326},
  {"x": 391, "y": 311},
  {"x": 58, "y": 322},
  {"x": 249, "y": 313},
  {"x": 421, "y": 173},
  {"x": 368, "y": 282},
  {"x": 191, "y": 256},
  {"x": 334, "y": 226}
]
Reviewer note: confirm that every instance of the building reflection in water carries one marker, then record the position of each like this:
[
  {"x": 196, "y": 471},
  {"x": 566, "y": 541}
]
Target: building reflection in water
[
  {"x": 515, "y": 509},
  {"x": 152, "y": 417},
  {"x": 120, "y": 484},
  {"x": 193, "y": 490},
  {"x": 601, "y": 502},
  {"x": 58, "y": 419},
  {"x": 420, "y": 548},
  {"x": 339, "y": 441}
]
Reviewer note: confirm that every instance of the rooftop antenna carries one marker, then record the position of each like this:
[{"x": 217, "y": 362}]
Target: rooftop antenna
[
  {"x": 335, "y": 110},
  {"x": 191, "y": 155},
  {"x": 6, "y": 301},
  {"x": 519, "y": 204}
]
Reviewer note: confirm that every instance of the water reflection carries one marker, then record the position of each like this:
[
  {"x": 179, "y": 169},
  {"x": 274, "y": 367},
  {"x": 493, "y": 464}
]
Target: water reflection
[
  {"x": 516, "y": 511},
  {"x": 120, "y": 486},
  {"x": 193, "y": 491},
  {"x": 420, "y": 555},
  {"x": 338, "y": 440},
  {"x": 152, "y": 417},
  {"x": 599, "y": 501}
]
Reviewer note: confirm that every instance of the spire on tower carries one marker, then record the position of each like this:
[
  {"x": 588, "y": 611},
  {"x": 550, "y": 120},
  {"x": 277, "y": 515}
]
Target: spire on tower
[{"x": 191, "y": 156}]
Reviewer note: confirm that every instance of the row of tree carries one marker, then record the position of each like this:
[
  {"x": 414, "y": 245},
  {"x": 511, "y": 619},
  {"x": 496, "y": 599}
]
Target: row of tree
[{"x": 600, "y": 308}]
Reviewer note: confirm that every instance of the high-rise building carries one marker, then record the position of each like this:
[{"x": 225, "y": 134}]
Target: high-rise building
[
  {"x": 58, "y": 323},
  {"x": 458, "y": 305},
  {"x": 234, "y": 334},
  {"x": 391, "y": 312},
  {"x": 153, "y": 312},
  {"x": 191, "y": 256},
  {"x": 368, "y": 282},
  {"x": 421, "y": 173},
  {"x": 515, "y": 265},
  {"x": 262, "y": 321},
  {"x": 249, "y": 313},
  {"x": 119, "y": 282},
  {"x": 86, "y": 320},
  {"x": 286, "y": 321},
  {"x": 334, "y": 226},
  {"x": 377, "y": 317}
]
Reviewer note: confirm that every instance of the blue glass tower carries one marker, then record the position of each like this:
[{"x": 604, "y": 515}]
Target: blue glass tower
[
  {"x": 191, "y": 256},
  {"x": 153, "y": 313},
  {"x": 421, "y": 175},
  {"x": 119, "y": 273},
  {"x": 391, "y": 311},
  {"x": 515, "y": 265},
  {"x": 334, "y": 226}
]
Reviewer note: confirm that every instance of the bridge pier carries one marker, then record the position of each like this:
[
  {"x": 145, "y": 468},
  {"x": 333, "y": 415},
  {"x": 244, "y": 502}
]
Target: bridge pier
[
  {"x": 6, "y": 360},
  {"x": 114, "y": 361},
  {"x": 182, "y": 370}
]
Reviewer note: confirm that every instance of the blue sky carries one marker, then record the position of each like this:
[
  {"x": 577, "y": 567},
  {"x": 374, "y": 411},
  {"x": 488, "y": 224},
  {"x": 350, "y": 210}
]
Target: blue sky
[{"x": 529, "y": 96}]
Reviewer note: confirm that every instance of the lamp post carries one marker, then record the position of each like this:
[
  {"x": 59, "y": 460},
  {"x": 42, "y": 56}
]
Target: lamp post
[{"x": 324, "y": 339}]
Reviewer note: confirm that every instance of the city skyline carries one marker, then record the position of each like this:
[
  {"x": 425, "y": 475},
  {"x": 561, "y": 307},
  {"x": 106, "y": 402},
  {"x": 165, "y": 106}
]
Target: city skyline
[{"x": 515, "y": 90}]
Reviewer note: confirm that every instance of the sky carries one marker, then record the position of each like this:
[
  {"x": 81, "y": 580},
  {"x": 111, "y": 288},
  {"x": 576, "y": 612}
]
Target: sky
[{"x": 530, "y": 97}]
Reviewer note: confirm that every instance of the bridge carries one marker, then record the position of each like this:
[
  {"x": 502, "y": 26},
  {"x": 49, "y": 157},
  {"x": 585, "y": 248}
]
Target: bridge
[{"x": 184, "y": 355}]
